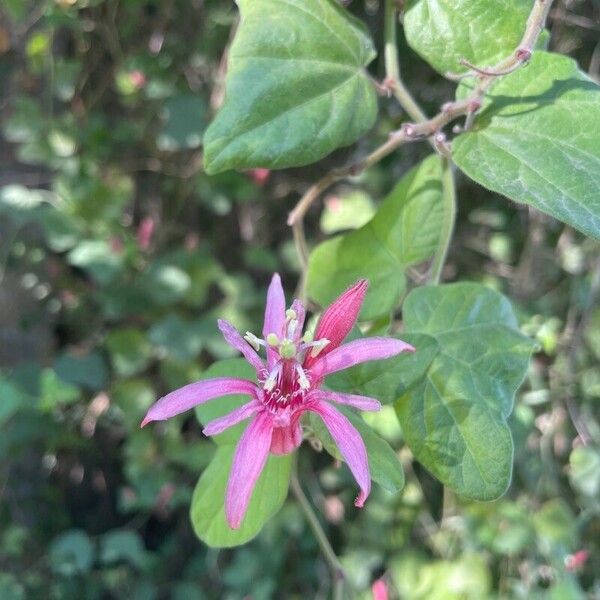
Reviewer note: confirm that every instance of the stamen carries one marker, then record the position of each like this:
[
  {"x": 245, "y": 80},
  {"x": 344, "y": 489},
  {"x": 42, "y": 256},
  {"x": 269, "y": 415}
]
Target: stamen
[
  {"x": 303, "y": 381},
  {"x": 271, "y": 380},
  {"x": 308, "y": 337},
  {"x": 254, "y": 341},
  {"x": 273, "y": 340},
  {"x": 290, "y": 314},
  {"x": 318, "y": 347}
]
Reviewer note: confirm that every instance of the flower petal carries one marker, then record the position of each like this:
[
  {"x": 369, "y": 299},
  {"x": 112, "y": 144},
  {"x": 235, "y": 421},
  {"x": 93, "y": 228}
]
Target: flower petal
[
  {"x": 355, "y": 352},
  {"x": 274, "y": 315},
  {"x": 197, "y": 393},
  {"x": 248, "y": 462},
  {"x": 233, "y": 338},
  {"x": 236, "y": 416},
  {"x": 339, "y": 318},
  {"x": 359, "y": 402},
  {"x": 350, "y": 445}
]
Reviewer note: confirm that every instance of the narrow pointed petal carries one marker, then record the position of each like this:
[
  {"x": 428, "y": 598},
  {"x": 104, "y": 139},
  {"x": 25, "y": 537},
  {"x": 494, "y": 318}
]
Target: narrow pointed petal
[
  {"x": 360, "y": 402},
  {"x": 339, "y": 318},
  {"x": 248, "y": 462},
  {"x": 197, "y": 393},
  {"x": 274, "y": 315},
  {"x": 236, "y": 416},
  {"x": 233, "y": 338},
  {"x": 355, "y": 352},
  {"x": 350, "y": 444}
]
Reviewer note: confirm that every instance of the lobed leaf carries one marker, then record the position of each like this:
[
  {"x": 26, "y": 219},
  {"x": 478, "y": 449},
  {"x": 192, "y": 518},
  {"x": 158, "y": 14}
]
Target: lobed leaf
[
  {"x": 404, "y": 231},
  {"x": 482, "y": 31},
  {"x": 536, "y": 141},
  {"x": 296, "y": 87}
]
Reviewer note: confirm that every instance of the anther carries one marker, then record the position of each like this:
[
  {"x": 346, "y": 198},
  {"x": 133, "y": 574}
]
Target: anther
[
  {"x": 253, "y": 340},
  {"x": 291, "y": 314},
  {"x": 273, "y": 340},
  {"x": 318, "y": 347},
  {"x": 308, "y": 337}
]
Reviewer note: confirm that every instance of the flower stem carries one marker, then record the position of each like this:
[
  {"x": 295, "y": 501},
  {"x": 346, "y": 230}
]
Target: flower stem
[
  {"x": 448, "y": 218},
  {"x": 337, "y": 571}
]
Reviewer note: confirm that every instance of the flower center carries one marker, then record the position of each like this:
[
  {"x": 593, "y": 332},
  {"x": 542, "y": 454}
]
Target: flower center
[{"x": 286, "y": 384}]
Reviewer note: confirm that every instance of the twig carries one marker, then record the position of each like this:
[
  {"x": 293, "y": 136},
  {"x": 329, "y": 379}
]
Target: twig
[
  {"x": 337, "y": 571},
  {"x": 448, "y": 219},
  {"x": 422, "y": 129}
]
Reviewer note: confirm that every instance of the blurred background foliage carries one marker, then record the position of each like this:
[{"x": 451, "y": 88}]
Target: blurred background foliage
[{"x": 116, "y": 256}]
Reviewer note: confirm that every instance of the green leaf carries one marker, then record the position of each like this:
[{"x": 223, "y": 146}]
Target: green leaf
[
  {"x": 88, "y": 370},
  {"x": 233, "y": 367},
  {"x": 405, "y": 231},
  {"x": 72, "y": 552},
  {"x": 536, "y": 141},
  {"x": 454, "y": 418},
  {"x": 98, "y": 258},
  {"x": 178, "y": 338},
  {"x": 208, "y": 502},
  {"x": 123, "y": 545},
  {"x": 384, "y": 464},
  {"x": 296, "y": 86},
  {"x": 183, "y": 120},
  {"x": 481, "y": 31},
  {"x": 55, "y": 392},
  {"x": 584, "y": 472},
  {"x": 129, "y": 349}
]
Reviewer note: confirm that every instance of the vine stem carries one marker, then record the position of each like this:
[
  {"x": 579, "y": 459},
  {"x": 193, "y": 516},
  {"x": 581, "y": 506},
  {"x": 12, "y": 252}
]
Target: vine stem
[
  {"x": 423, "y": 128},
  {"x": 337, "y": 570},
  {"x": 393, "y": 81},
  {"x": 448, "y": 219}
]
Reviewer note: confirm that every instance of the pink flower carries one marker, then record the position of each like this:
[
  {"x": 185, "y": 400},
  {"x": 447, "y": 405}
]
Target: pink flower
[
  {"x": 144, "y": 233},
  {"x": 289, "y": 384}
]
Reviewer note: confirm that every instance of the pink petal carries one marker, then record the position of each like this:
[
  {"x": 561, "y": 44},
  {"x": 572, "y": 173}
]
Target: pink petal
[
  {"x": 197, "y": 393},
  {"x": 248, "y": 462},
  {"x": 236, "y": 416},
  {"x": 233, "y": 338},
  {"x": 339, "y": 318},
  {"x": 274, "y": 315},
  {"x": 355, "y": 352},
  {"x": 350, "y": 445},
  {"x": 359, "y": 402}
]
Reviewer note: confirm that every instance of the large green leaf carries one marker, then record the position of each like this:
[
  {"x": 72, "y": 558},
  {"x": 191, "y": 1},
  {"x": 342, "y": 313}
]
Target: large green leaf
[
  {"x": 296, "y": 86},
  {"x": 384, "y": 464},
  {"x": 405, "y": 231},
  {"x": 482, "y": 31},
  {"x": 537, "y": 142},
  {"x": 454, "y": 418},
  {"x": 208, "y": 502}
]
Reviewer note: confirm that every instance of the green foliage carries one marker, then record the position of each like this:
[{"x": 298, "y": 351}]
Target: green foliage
[
  {"x": 405, "y": 231},
  {"x": 454, "y": 418},
  {"x": 480, "y": 31},
  {"x": 295, "y": 66},
  {"x": 118, "y": 253},
  {"x": 536, "y": 141},
  {"x": 208, "y": 503}
]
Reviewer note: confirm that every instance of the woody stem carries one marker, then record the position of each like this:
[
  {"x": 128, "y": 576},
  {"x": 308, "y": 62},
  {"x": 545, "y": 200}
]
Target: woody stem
[{"x": 337, "y": 571}]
